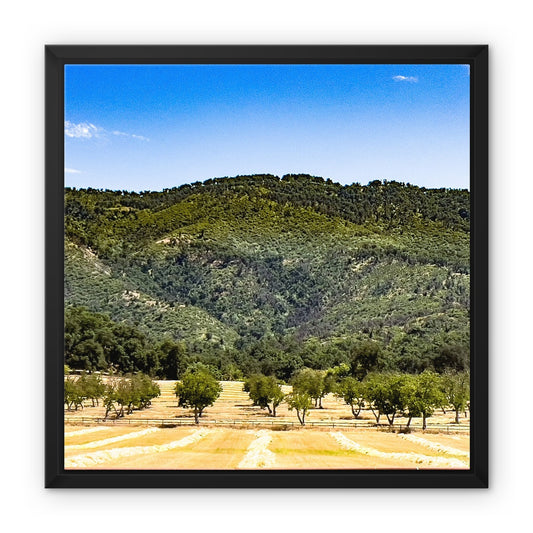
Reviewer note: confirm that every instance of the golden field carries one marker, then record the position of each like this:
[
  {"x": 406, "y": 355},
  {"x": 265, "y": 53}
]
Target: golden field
[{"x": 233, "y": 434}]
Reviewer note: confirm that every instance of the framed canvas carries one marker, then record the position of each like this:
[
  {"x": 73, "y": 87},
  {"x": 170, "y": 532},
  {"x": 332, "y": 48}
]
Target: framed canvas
[{"x": 266, "y": 266}]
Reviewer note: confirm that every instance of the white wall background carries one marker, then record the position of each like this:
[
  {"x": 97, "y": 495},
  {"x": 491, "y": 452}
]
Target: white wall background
[{"x": 27, "y": 26}]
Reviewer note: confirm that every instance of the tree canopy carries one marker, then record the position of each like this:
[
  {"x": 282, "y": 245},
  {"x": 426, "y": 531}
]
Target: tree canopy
[{"x": 197, "y": 390}]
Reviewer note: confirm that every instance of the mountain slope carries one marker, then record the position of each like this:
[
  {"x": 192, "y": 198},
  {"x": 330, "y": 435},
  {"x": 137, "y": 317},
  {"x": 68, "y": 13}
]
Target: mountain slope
[{"x": 236, "y": 261}]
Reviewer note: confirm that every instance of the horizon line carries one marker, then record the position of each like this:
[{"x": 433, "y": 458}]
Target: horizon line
[{"x": 280, "y": 178}]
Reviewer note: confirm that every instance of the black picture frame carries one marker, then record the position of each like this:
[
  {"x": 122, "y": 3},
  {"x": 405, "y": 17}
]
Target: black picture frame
[{"x": 56, "y": 57}]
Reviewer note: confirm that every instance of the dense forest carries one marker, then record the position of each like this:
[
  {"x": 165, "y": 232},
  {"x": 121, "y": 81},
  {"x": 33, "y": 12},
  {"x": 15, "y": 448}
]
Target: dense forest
[{"x": 261, "y": 274}]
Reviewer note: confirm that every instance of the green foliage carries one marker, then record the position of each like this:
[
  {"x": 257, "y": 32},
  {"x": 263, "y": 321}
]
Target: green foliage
[
  {"x": 261, "y": 274},
  {"x": 301, "y": 402},
  {"x": 197, "y": 390},
  {"x": 385, "y": 394},
  {"x": 95, "y": 342},
  {"x": 456, "y": 388},
  {"x": 172, "y": 358},
  {"x": 422, "y": 394},
  {"x": 363, "y": 358},
  {"x": 352, "y": 392},
  {"x": 313, "y": 383},
  {"x": 265, "y": 392},
  {"x": 133, "y": 391},
  {"x": 74, "y": 395},
  {"x": 452, "y": 358},
  {"x": 92, "y": 386}
]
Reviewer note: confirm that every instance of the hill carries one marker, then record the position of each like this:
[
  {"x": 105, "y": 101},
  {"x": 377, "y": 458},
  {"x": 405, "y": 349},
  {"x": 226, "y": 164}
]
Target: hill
[{"x": 260, "y": 273}]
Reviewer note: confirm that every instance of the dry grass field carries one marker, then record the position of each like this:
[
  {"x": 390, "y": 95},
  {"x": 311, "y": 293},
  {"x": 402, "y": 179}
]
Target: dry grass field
[{"x": 233, "y": 434}]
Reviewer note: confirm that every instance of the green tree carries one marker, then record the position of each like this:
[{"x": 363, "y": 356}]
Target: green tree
[
  {"x": 311, "y": 382},
  {"x": 454, "y": 358},
  {"x": 301, "y": 402},
  {"x": 456, "y": 388},
  {"x": 133, "y": 391},
  {"x": 73, "y": 393},
  {"x": 172, "y": 356},
  {"x": 144, "y": 390},
  {"x": 198, "y": 389},
  {"x": 422, "y": 394},
  {"x": 384, "y": 394},
  {"x": 352, "y": 392},
  {"x": 363, "y": 358},
  {"x": 264, "y": 391},
  {"x": 93, "y": 387},
  {"x": 110, "y": 398}
]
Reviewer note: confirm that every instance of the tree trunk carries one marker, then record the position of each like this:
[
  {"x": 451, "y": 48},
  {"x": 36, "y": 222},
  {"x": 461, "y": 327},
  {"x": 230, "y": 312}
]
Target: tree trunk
[
  {"x": 354, "y": 413},
  {"x": 376, "y": 415},
  {"x": 423, "y": 421},
  {"x": 273, "y": 410},
  {"x": 457, "y": 416},
  {"x": 409, "y": 420},
  {"x": 196, "y": 421}
]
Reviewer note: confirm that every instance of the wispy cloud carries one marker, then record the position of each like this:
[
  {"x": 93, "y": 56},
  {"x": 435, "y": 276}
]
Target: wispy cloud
[
  {"x": 122, "y": 134},
  {"x": 86, "y": 130},
  {"x": 72, "y": 171},
  {"x": 83, "y": 130},
  {"x": 408, "y": 79}
]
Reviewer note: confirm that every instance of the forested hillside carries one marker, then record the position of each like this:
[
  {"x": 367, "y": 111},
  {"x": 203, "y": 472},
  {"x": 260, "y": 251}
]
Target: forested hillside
[{"x": 267, "y": 274}]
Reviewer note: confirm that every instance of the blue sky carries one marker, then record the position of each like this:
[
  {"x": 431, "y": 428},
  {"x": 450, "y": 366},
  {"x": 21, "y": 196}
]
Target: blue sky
[{"x": 149, "y": 127}]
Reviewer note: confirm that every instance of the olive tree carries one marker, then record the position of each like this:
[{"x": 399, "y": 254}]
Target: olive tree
[
  {"x": 315, "y": 383},
  {"x": 352, "y": 392},
  {"x": 301, "y": 402},
  {"x": 93, "y": 387},
  {"x": 456, "y": 389},
  {"x": 73, "y": 393},
  {"x": 422, "y": 395},
  {"x": 264, "y": 391},
  {"x": 198, "y": 389},
  {"x": 133, "y": 391},
  {"x": 384, "y": 394}
]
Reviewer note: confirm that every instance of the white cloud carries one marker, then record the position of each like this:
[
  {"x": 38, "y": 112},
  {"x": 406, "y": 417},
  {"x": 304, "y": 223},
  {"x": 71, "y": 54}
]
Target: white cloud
[
  {"x": 86, "y": 130},
  {"x": 140, "y": 137},
  {"x": 122, "y": 134},
  {"x": 83, "y": 130},
  {"x": 409, "y": 79},
  {"x": 72, "y": 171}
]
